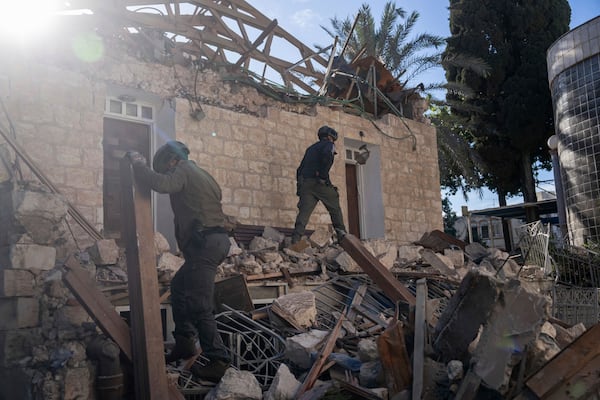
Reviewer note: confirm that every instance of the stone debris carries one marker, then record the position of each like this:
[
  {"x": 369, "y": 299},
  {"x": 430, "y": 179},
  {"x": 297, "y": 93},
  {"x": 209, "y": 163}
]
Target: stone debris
[
  {"x": 236, "y": 385},
  {"x": 476, "y": 301},
  {"x": 104, "y": 252},
  {"x": 297, "y": 308}
]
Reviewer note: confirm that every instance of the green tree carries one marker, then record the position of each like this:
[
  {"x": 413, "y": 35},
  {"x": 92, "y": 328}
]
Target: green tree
[
  {"x": 509, "y": 115},
  {"x": 449, "y": 217},
  {"x": 392, "y": 43}
]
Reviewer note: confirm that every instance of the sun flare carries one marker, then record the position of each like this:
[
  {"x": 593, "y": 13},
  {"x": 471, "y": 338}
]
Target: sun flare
[{"x": 23, "y": 19}]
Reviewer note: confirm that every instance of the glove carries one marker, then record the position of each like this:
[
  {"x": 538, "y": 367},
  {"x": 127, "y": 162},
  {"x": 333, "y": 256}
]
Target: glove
[{"x": 135, "y": 157}]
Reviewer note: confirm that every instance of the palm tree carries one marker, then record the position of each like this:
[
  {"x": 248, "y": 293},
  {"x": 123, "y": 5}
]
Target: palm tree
[{"x": 405, "y": 57}]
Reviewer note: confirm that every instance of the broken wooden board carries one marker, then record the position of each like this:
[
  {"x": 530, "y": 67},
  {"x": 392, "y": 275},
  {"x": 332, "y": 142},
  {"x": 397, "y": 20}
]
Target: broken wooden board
[
  {"x": 574, "y": 368},
  {"x": 146, "y": 326},
  {"x": 394, "y": 357},
  {"x": 376, "y": 270},
  {"x": 233, "y": 292},
  {"x": 315, "y": 371},
  {"x": 97, "y": 306}
]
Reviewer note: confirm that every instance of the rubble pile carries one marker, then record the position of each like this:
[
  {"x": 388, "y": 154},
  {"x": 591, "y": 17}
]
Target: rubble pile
[{"x": 484, "y": 327}]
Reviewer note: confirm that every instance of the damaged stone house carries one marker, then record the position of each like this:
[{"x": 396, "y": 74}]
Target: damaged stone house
[{"x": 115, "y": 78}]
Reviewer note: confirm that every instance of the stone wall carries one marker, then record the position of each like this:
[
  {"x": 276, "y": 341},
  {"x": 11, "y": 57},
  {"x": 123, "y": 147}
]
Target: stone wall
[
  {"x": 43, "y": 330},
  {"x": 251, "y": 142}
]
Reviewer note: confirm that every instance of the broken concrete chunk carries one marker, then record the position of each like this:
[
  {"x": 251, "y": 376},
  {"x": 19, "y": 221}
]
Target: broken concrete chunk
[
  {"x": 250, "y": 267},
  {"x": 409, "y": 254},
  {"x": 298, "y": 308},
  {"x": 273, "y": 234},
  {"x": 261, "y": 243},
  {"x": 548, "y": 329},
  {"x": 514, "y": 321},
  {"x": 367, "y": 350},
  {"x": 467, "y": 310},
  {"x": 476, "y": 252},
  {"x": 457, "y": 256},
  {"x": 299, "y": 347},
  {"x": 439, "y": 262},
  {"x": 39, "y": 213},
  {"x": 321, "y": 237},
  {"x": 236, "y": 385},
  {"x": 270, "y": 256},
  {"x": 331, "y": 254},
  {"x": 385, "y": 251},
  {"x": 104, "y": 252},
  {"x": 234, "y": 249},
  {"x": 347, "y": 263},
  {"x": 455, "y": 370},
  {"x": 169, "y": 262},
  {"x": 161, "y": 245},
  {"x": 284, "y": 385}
]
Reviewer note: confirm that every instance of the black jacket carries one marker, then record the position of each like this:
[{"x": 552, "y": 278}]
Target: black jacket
[{"x": 317, "y": 161}]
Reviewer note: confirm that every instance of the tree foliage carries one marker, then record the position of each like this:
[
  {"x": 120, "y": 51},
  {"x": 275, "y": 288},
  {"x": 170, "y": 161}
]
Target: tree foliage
[
  {"x": 392, "y": 42},
  {"x": 509, "y": 112}
]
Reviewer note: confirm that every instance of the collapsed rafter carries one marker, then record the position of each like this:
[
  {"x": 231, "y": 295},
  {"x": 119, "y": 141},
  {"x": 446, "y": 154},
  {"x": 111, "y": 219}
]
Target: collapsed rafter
[{"x": 230, "y": 32}]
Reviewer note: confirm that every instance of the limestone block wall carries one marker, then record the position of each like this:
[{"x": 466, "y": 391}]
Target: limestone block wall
[
  {"x": 43, "y": 330},
  {"x": 252, "y": 143}
]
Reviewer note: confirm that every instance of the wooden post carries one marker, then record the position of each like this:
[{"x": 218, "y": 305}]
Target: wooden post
[
  {"x": 420, "y": 339},
  {"x": 376, "y": 270},
  {"x": 97, "y": 305},
  {"x": 146, "y": 328}
]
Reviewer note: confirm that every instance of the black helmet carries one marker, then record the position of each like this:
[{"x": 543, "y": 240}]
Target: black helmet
[
  {"x": 325, "y": 131},
  {"x": 173, "y": 149}
]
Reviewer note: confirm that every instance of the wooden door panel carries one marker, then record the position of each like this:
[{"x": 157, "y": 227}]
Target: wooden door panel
[
  {"x": 119, "y": 137},
  {"x": 352, "y": 196}
]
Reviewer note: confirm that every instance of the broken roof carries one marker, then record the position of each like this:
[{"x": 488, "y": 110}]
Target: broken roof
[{"x": 229, "y": 32}]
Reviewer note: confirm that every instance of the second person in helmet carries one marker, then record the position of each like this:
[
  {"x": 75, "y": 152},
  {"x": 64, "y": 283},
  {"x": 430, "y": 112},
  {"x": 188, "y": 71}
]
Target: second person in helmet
[{"x": 314, "y": 185}]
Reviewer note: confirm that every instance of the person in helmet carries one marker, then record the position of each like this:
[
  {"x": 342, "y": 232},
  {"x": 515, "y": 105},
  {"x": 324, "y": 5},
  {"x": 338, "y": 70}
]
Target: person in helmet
[
  {"x": 199, "y": 229},
  {"x": 314, "y": 185}
]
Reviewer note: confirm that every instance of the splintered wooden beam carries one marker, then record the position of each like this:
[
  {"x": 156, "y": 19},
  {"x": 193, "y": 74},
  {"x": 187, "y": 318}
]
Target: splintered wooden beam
[
  {"x": 146, "y": 328},
  {"x": 97, "y": 305},
  {"x": 376, "y": 270},
  {"x": 574, "y": 368},
  {"x": 317, "y": 367}
]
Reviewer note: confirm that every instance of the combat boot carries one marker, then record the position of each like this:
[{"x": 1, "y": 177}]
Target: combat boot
[
  {"x": 213, "y": 371},
  {"x": 185, "y": 347}
]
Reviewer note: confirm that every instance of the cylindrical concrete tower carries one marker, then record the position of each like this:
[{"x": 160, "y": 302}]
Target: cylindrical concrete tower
[{"x": 574, "y": 77}]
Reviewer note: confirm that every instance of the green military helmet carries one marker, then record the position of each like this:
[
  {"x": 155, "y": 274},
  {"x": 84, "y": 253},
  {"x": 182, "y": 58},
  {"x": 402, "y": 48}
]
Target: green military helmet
[{"x": 171, "y": 150}]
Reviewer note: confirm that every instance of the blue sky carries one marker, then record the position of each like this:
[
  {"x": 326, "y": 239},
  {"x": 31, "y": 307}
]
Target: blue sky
[{"x": 303, "y": 18}]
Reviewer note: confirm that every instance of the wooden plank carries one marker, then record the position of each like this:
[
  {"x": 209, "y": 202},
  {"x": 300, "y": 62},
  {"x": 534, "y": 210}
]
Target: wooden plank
[
  {"x": 146, "y": 327},
  {"x": 356, "y": 301},
  {"x": 582, "y": 385},
  {"x": 97, "y": 305},
  {"x": 420, "y": 337},
  {"x": 566, "y": 364},
  {"x": 315, "y": 371},
  {"x": 394, "y": 357},
  {"x": 376, "y": 270}
]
